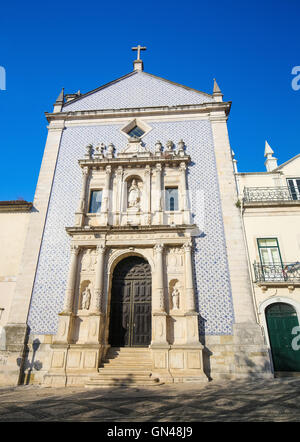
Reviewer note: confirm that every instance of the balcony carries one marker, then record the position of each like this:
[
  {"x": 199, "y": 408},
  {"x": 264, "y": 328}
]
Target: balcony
[
  {"x": 285, "y": 274},
  {"x": 270, "y": 196}
]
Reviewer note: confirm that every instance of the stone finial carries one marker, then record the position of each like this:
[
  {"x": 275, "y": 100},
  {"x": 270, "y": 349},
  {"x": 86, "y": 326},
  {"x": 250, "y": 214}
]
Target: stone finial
[
  {"x": 217, "y": 94},
  {"x": 181, "y": 148},
  {"x": 57, "y": 107},
  {"x": 100, "y": 148},
  {"x": 110, "y": 150},
  {"x": 169, "y": 147},
  {"x": 89, "y": 151},
  {"x": 60, "y": 98},
  {"x": 271, "y": 162},
  {"x": 158, "y": 149},
  {"x": 234, "y": 162}
]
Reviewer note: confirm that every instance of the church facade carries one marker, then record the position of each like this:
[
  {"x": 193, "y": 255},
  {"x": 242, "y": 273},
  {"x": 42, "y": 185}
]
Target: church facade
[{"x": 135, "y": 250}]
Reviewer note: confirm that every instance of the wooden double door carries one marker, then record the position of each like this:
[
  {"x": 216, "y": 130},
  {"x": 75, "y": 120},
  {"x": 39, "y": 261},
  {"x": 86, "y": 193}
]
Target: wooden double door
[{"x": 130, "y": 314}]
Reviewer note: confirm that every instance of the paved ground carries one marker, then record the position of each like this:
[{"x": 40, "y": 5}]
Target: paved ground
[{"x": 263, "y": 400}]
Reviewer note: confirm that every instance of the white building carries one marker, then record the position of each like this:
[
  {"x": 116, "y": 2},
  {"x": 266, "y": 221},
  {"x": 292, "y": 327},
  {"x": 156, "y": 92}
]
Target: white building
[{"x": 270, "y": 206}]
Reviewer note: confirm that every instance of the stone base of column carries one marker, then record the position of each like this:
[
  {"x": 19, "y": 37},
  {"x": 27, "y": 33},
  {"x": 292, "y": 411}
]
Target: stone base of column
[
  {"x": 79, "y": 219},
  {"x": 65, "y": 328},
  {"x": 73, "y": 364},
  {"x": 178, "y": 363},
  {"x": 96, "y": 328},
  {"x": 159, "y": 329}
]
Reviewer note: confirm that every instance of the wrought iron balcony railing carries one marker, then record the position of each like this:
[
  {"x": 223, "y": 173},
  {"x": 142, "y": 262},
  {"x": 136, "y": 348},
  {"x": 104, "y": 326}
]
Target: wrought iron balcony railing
[
  {"x": 269, "y": 194},
  {"x": 288, "y": 272}
]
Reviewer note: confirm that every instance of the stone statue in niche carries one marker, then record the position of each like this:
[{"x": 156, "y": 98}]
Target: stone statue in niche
[
  {"x": 134, "y": 195},
  {"x": 86, "y": 299},
  {"x": 175, "y": 298}
]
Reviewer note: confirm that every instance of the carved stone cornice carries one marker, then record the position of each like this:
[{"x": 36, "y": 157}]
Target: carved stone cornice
[
  {"x": 137, "y": 112},
  {"x": 135, "y": 161},
  {"x": 94, "y": 230}
]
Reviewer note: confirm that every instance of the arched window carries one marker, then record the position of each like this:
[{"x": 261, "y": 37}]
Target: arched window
[
  {"x": 172, "y": 203},
  {"x": 171, "y": 199}
]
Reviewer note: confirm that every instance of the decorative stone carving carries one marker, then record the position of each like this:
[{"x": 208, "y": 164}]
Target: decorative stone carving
[
  {"x": 170, "y": 147},
  {"x": 158, "y": 149},
  {"x": 89, "y": 151},
  {"x": 86, "y": 299},
  {"x": 187, "y": 246},
  {"x": 75, "y": 249},
  {"x": 100, "y": 151},
  {"x": 175, "y": 298},
  {"x": 88, "y": 261},
  {"x": 110, "y": 150},
  {"x": 181, "y": 148},
  {"x": 174, "y": 258},
  {"x": 158, "y": 248},
  {"x": 134, "y": 195},
  {"x": 134, "y": 148}
]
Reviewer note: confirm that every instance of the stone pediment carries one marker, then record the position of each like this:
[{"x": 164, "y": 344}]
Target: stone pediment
[
  {"x": 134, "y": 148},
  {"x": 137, "y": 90}
]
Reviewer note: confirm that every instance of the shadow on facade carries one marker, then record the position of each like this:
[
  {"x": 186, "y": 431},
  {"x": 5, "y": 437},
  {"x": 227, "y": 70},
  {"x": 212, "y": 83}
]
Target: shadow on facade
[{"x": 26, "y": 364}]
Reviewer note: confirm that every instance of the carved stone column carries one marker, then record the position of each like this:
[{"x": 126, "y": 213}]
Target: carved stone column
[
  {"x": 82, "y": 201},
  {"x": 183, "y": 189},
  {"x": 118, "y": 195},
  {"x": 106, "y": 190},
  {"x": 159, "y": 335},
  {"x": 69, "y": 297},
  {"x": 147, "y": 195},
  {"x": 66, "y": 318},
  {"x": 189, "y": 285},
  {"x": 158, "y": 193},
  {"x": 159, "y": 304},
  {"x": 96, "y": 323},
  {"x": 97, "y": 304}
]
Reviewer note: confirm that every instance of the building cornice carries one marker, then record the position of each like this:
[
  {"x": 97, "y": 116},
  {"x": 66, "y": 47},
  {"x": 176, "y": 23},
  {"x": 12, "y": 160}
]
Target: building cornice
[
  {"x": 87, "y": 230},
  {"x": 15, "y": 206},
  {"x": 117, "y": 161},
  {"x": 274, "y": 172},
  {"x": 146, "y": 111}
]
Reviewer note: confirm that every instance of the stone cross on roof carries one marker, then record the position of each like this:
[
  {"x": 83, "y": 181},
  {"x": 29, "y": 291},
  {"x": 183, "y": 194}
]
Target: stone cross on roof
[{"x": 139, "y": 48}]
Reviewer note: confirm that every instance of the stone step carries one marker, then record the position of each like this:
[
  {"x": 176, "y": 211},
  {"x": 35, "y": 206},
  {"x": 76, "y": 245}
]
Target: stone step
[
  {"x": 128, "y": 355},
  {"x": 129, "y": 361},
  {"x": 139, "y": 376},
  {"x": 126, "y": 366},
  {"x": 103, "y": 383}
]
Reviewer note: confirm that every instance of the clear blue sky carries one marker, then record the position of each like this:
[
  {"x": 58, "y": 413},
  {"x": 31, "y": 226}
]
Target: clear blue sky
[{"x": 249, "y": 46}]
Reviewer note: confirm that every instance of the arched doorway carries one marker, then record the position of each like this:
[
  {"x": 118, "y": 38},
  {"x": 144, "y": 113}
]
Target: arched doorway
[
  {"x": 130, "y": 313},
  {"x": 281, "y": 319}
]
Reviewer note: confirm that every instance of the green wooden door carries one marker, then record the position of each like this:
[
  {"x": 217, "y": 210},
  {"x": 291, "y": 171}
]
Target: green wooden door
[{"x": 281, "y": 319}]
